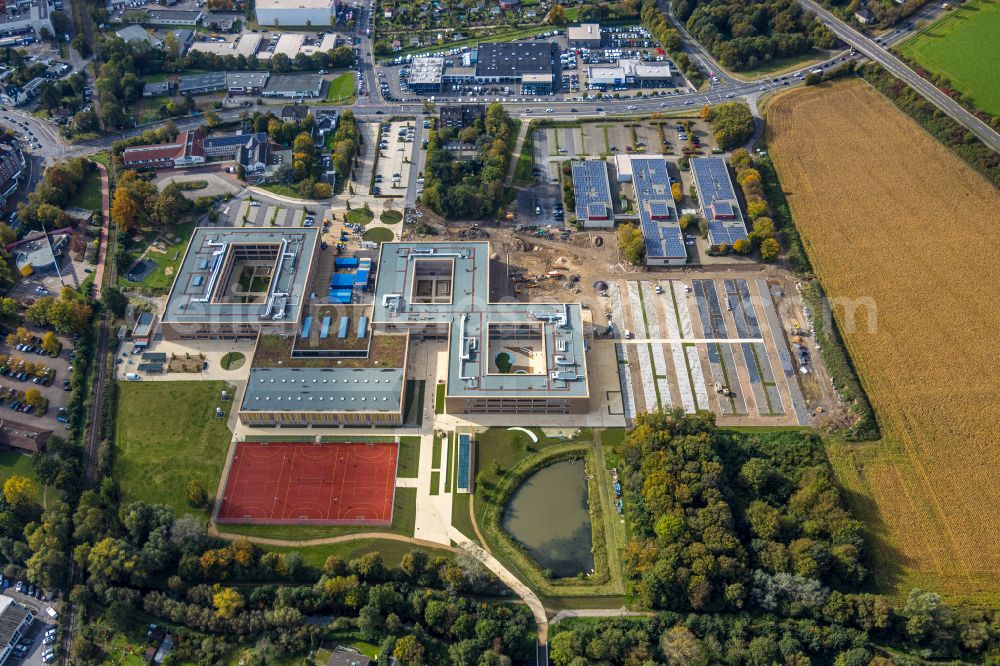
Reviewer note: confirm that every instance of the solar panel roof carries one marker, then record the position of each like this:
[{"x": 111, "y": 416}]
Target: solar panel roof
[
  {"x": 663, "y": 237},
  {"x": 591, "y": 188}
]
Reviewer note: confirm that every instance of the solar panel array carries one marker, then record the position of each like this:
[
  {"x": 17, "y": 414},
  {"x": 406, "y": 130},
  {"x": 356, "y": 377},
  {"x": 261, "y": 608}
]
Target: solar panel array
[
  {"x": 718, "y": 201},
  {"x": 663, "y": 236},
  {"x": 590, "y": 186}
]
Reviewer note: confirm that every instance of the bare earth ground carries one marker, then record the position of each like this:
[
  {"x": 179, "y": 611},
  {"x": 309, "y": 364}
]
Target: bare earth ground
[{"x": 890, "y": 215}]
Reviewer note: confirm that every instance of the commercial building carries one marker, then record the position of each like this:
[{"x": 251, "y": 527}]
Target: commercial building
[
  {"x": 201, "y": 84},
  {"x": 40, "y": 255},
  {"x": 658, "y": 219},
  {"x": 137, "y": 34},
  {"x": 532, "y": 64},
  {"x": 237, "y": 282},
  {"x": 592, "y": 191},
  {"x": 462, "y": 115},
  {"x": 294, "y": 86},
  {"x": 156, "y": 89},
  {"x": 27, "y": 438},
  {"x": 426, "y": 74},
  {"x": 586, "y": 35},
  {"x": 188, "y": 18},
  {"x": 245, "y": 45},
  {"x": 718, "y": 202},
  {"x": 246, "y": 83},
  {"x": 629, "y": 73},
  {"x": 15, "y": 620},
  {"x": 502, "y": 357},
  {"x": 286, "y": 13}
]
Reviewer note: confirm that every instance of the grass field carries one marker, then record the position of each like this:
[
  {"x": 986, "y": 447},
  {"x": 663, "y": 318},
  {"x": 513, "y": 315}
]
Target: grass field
[
  {"x": 885, "y": 237},
  {"x": 965, "y": 47},
  {"x": 167, "y": 434},
  {"x": 392, "y": 551},
  {"x": 360, "y": 216},
  {"x": 391, "y": 217},
  {"x": 341, "y": 89},
  {"x": 89, "y": 194},
  {"x": 379, "y": 235}
]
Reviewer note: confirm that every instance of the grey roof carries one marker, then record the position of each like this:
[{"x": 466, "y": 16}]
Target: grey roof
[
  {"x": 11, "y": 617},
  {"x": 324, "y": 389},
  {"x": 338, "y": 658},
  {"x": 717, "y": 198},
  {"x": 136, "y": 33},
  {"x": 591, "y": 189},
  {"x": 211, "y": 80},
  {"x": 159, "y": 88},
  {"x": 193, "y": 299},
  {"x": 246, "y": 79},
  {"x": 657, "y": 215},
  {"x": 468, "y": 317},
  {"x": 222, "y": 140},
  {"x": 174, "y": 15},
  {"x": 278, "y": 83},
  {"x": 510, "y": 59}
]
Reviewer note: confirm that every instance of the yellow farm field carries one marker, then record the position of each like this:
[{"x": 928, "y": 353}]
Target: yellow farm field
[{"x": 893, "y": 220}]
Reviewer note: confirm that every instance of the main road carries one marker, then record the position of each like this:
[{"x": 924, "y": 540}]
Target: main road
[{"x": 899, "y": 69}]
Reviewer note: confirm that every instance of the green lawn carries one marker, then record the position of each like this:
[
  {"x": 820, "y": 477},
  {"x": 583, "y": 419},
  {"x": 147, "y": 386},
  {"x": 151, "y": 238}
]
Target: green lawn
[
  {"x": 965, "y": 47},
  {"x": 232, "y": 361},
  {"x": 436, "y": 453},
  {"x": 341, "y": 89},
  {"x": 392, "y": 551},
  {"x": 404, "y": 514},
  {"x": 13, "y": 463},
  {"x": 167, "y": 434},
  {"x": 439, "y": 399},
  {"x": 460, "y": 517},
  {"x": 283, "y": 190},
  {"x": 360, "y": 216},
  {"x": 89, "y": 195},
  {"x": 379, "y": 235},
  {"x": 161, "y": 277},
  {"x": 435, "y": 482},
  {"x": 391, "y": 217},
  {"x": 409, "y": 457}
]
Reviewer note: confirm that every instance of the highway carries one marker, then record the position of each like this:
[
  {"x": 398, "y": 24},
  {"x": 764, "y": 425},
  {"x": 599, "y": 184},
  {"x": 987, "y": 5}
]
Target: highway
[{"x": 899, "y": 69}]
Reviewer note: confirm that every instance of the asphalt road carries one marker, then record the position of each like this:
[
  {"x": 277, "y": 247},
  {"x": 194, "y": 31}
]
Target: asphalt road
[{"x": 899, "y": 69}]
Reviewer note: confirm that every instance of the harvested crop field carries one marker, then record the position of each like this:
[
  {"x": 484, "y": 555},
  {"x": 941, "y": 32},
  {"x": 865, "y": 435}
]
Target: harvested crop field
[{"x": 894, "y": 220}]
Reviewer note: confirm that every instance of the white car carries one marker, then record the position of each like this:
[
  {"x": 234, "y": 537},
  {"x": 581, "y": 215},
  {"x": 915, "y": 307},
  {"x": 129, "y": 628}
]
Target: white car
[
  {"x": 549, "y": 110},
  {"x": 633, "y": 107}
]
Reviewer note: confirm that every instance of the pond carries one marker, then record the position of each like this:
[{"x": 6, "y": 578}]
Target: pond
[{"x": 548, "y": 515}]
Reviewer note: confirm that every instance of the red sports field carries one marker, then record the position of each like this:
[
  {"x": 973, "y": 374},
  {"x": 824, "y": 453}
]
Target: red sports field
[{"x": 297, "y": 482}]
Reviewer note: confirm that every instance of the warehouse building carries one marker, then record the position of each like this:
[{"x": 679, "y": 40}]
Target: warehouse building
[
  {"x": 535, "y": 65},
  {"x": 586, "y": 35},
  {"x": 503, "y": 358},
  {"x": 237, "y": 282},
  {"x": 629, "y": 73},
  {"x": 294, "y": 86},
  {"x": 246, "y": 83},
  {"x": 718, "y": 202},
  {"x": 592, "y": 191},
  {"x": 287, "y": 13},
  {"x": 187, "y": 18},
  {"x": 201, "y": 84}
]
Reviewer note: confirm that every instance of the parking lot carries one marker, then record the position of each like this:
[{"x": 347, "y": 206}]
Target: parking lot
[
  {"x": 12, "y": 388},
  {"x": 392, "y": 172},
  {"x": 34, "y": 647}
]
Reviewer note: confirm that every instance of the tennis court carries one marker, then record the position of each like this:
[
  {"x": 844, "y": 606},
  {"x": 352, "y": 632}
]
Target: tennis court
[{"x": 307, "y": 483}]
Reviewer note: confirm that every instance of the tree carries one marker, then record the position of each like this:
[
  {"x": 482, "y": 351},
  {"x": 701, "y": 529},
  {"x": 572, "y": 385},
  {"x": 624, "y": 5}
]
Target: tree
[
  {"x": 631, "y": 244},
  {"x": 409, "y": 650},
  {"x": 227, "y": 601},
  {"x": 34, "y": 398},
  {"x": 51, "y": 344},
  {"x": 556, "y": 15},
  {"x": 114, "y": 300},
  {"x": 769, "y": 249},
  {"x": 677, "y": 192},
  {"x": 20, "y": 491},
  {"x": 197, "y": 497},
  {"x": 756, "y": 209},
  {"x": 742, "y": 246},
  {"x": 124, "y": 210},
  {"x": 681, "y": 647}
]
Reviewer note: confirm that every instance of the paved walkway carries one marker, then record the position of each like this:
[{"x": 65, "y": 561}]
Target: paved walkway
[
  {"x": 288, "y": 200},
  {"x": 102, "y": 253},
  {"x": 522, "y": 134},
  {"x": 214, "y": 531}
]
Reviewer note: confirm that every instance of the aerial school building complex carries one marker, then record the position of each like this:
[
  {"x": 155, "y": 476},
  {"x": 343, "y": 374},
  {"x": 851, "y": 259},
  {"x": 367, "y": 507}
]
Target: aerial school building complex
[{"x": 322, "y": 362}]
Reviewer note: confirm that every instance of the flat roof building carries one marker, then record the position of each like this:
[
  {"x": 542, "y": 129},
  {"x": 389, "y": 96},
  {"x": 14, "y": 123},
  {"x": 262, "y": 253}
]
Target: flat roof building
[
  {"x": 245, "y": 45},
  {"x": 200, "y": 84},
  {"x": 136, "y": 33},
  {"x": 15, "y": 620},
  {"x": 585, "y": 34},
  {"x": 246, "y": 83},
  {"x": 594, "y": 208},
  {"x": 287, "y": 13},
  {"x": 510, "y": 62},
  {"x": 426, "y": 74},
  {"x": 718, "y": 202},
  {"x": 502, "y": 357},
  {"x": 294, "y": 86},
  {"x": 461, "y": 115},
  {"x": 173, "y": 17},
  {"x": 237, "y": 282},
  {"x": 187, "y": 150},
  {"x": 658, "y": 219}
]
